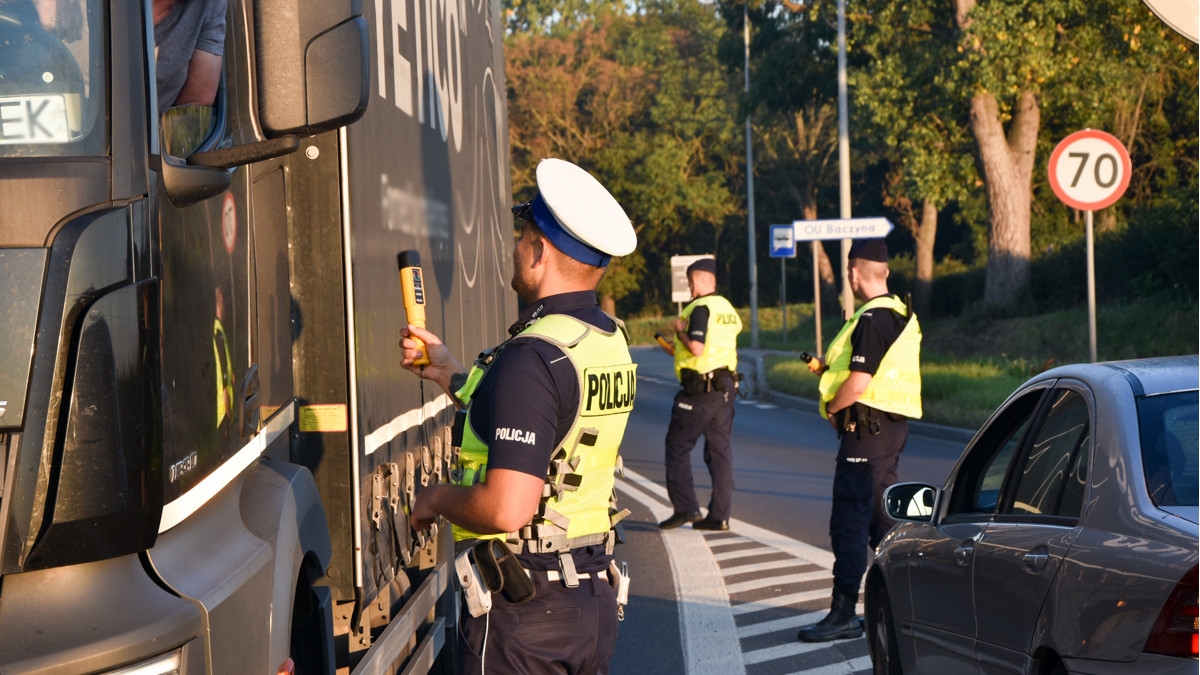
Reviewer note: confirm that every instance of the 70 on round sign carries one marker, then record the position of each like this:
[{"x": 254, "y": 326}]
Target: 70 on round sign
[{"x": 1090, "y": 170}]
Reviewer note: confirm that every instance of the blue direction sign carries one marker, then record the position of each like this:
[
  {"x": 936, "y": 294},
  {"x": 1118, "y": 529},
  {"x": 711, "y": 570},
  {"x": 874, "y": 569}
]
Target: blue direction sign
[
  {"x": 845, "y": 228},
  {"x": 783, "y": 241}
]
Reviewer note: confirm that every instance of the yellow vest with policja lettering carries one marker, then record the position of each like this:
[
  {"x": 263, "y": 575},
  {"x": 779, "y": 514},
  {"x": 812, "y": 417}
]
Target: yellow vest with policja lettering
[
  {"x": 578, "y": 493},
  {"x": 720, "y": 340},
  {"x": 896, "y": 385}
]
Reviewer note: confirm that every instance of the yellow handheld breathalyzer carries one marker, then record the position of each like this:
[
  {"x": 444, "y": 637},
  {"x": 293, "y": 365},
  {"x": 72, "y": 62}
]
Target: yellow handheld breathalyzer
[{"x": 413, "y": 287}]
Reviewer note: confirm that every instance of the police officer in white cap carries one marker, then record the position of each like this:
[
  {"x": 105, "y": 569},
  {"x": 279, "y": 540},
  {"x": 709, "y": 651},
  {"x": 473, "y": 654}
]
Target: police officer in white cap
[{"x": 540, "y": 423}]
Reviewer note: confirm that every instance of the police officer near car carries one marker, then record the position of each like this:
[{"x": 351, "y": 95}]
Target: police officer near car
[
  {"x": 705, "y": 351},
  {"x": 870, "y": 386},
  {"x": 540, "y": 423}
]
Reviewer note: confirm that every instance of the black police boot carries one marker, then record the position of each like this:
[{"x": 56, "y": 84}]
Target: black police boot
[
  {"x": 840, "y": 624},
  {"x": 680, "y": 518}
]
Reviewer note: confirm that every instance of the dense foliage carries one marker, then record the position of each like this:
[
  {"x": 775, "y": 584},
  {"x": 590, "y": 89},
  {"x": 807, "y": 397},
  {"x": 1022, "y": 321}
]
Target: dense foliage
[{"x": 955, "y": 106}]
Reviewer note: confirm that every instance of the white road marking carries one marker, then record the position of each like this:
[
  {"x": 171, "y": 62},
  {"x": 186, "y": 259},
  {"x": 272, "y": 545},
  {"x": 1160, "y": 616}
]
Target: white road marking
[{"x": 711, "y": 638}]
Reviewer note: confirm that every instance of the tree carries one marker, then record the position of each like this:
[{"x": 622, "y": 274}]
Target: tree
[
  {"x": 917, "y": 122},
  {"x": 793, "y": 100},
  {"x": 637, "y": 100}
]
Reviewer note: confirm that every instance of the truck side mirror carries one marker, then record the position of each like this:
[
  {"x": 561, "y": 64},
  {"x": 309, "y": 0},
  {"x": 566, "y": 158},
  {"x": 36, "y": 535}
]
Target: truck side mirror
[
  {"x": 313, "y": 65},
  {"x": 181, "y": 132}
]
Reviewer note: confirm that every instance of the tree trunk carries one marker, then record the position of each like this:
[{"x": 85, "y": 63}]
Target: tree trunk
[
  {"x": 1007, "y": 165},
  {"x": 925, "y": 235},
  {"x": 608, "y": 304}
]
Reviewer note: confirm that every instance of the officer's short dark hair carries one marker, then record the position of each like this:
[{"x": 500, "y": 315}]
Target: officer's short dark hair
[
  {"x": 703, "y": 265},
  {"x": 869, "y": 249}
]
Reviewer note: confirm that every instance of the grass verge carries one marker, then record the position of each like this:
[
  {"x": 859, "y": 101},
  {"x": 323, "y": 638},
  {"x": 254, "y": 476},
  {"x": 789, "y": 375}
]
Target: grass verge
[{"x": 971, "y": 363}]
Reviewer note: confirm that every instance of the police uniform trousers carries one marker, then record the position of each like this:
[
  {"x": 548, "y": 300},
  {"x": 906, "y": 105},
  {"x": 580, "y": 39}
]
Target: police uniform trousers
[
  {"x": 560, "y": 631},
  {"x": 710, "y": 414},
  {"x": 858, "y": 518}
]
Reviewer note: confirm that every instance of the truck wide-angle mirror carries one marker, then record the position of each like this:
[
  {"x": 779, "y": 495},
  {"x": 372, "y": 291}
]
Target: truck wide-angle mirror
[
  {"x": 182, "y": 130},
  {"x": 313, "y": 65}
]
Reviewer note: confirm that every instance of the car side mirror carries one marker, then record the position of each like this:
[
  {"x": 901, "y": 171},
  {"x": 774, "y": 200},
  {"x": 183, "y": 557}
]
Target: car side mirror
[
  {"x": 911, "y": 501},
  {"x": 313, "y": 64}
]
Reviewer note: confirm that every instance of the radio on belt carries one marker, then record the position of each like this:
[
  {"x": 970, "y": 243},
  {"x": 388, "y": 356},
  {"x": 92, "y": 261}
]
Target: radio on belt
[{"x": 412, "y": 284}]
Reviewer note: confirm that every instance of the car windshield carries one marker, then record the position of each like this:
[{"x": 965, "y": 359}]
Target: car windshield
[
  {"x": 1170, "y": 425},
  {"x": 52, "y": 78}
]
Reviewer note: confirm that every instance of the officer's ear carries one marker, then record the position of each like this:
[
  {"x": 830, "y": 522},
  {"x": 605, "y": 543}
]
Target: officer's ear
[{"x": 538, "y": 247}]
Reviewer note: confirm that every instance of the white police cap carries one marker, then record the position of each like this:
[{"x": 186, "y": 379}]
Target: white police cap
[{"x": 579, "y": 216}]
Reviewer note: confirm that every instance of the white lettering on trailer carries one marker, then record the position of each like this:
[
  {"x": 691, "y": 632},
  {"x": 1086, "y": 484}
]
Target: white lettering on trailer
[
  {"x": 433, "y": 35},
  {"x": 406, "y": 211}
]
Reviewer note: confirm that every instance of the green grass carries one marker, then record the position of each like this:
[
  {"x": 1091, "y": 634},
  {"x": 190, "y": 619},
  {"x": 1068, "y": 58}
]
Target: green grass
[
  {"x": 971, "y": 363},
  {"x": 955, "y": 393}
]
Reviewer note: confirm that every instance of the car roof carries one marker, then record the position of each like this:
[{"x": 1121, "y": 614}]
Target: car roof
[{"x": 1145, "y": 376}]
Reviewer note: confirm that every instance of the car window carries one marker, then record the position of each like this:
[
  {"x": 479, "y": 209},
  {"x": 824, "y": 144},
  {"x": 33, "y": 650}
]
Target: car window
[
  {"x": 1168, "y": 425},
  {"x": 976, "y": 488},
  {"x": 1053, "y": 474}
]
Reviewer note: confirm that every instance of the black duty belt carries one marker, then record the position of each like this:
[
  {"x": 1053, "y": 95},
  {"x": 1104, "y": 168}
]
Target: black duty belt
[{"x": 702, "y": 383}]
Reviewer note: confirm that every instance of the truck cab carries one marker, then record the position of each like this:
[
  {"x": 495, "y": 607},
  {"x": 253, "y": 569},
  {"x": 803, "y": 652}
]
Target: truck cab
[{"x": 207, "y": 444}]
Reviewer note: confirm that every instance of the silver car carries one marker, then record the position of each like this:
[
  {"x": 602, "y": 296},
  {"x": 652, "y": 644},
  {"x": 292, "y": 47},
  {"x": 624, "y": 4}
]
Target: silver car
[{"x": 1064, "y": 540}]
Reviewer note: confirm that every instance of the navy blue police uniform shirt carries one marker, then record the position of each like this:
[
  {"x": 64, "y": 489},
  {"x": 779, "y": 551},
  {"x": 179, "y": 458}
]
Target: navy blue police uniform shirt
[
  {"x": 698, "y": 324},
  {"x": 525, "y": 405},
  {"x": 873, "y": 336}
]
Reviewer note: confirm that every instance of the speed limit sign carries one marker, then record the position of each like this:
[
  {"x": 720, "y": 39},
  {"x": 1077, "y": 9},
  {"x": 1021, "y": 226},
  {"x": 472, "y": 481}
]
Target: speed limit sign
[{"x": 1090, "y": 170}]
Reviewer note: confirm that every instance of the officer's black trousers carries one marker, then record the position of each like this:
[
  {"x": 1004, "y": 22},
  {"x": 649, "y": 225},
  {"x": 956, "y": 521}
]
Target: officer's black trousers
[
  {"x": 710, "y": 414},
  {"x": 561, "y": 630},
  {"x": 858, "y": 518}
]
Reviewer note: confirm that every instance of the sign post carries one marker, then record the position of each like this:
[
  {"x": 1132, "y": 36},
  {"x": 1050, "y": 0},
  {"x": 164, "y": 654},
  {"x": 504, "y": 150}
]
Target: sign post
[
  {"x": 845, "y": 229},
  {"x": 1090, "y": 170},
  {"x": 783, "y": 246}
]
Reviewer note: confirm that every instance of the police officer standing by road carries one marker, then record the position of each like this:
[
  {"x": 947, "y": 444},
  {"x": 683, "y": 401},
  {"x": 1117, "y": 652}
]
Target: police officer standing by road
[
  {"x": 870, "y": 386},
  {"x": 541, "y": 421},
  {"x": 705, "y": 350}
]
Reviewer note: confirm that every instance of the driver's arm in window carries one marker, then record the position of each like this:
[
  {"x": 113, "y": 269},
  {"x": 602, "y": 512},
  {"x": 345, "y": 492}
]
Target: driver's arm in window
[{"x": 189, "y": 38}]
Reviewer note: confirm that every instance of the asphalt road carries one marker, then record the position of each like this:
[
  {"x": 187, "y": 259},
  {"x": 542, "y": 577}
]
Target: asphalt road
[{"x": 721, "y": 603}]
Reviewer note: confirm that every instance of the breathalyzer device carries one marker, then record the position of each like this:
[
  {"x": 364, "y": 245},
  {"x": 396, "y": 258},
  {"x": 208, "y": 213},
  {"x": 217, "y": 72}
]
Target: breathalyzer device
[{"x": 412, "y": 286}]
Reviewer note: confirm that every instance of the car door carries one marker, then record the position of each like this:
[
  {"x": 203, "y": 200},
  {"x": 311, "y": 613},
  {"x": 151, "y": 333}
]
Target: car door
[
  {"x": 941, "y": 570},
  {"x": 1022, "y": 549}
]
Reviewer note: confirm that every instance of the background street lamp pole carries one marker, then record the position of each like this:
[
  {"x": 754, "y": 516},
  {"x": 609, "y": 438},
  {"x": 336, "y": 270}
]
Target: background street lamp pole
[
  {"x": 752, "y": 245},
  {"x": 843, "y": 155}
]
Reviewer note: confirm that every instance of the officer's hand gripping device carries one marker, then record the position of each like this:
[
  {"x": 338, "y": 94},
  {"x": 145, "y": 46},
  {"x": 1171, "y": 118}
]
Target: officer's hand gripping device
[
  {"x": 662, "y": 342},
  {"x": 412, "y": 285}
]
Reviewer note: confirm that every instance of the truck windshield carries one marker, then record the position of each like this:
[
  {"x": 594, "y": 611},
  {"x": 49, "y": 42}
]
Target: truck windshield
[{"x": 52, "y": 78}]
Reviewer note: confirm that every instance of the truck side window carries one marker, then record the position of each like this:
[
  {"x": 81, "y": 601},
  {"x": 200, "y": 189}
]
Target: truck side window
[{"x": 189, "y": 44}]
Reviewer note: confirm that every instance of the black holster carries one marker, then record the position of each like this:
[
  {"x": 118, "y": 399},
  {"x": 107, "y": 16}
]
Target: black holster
[
  {"x": 502, "y": 572},
  {"x": 856, "y": 419}
]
